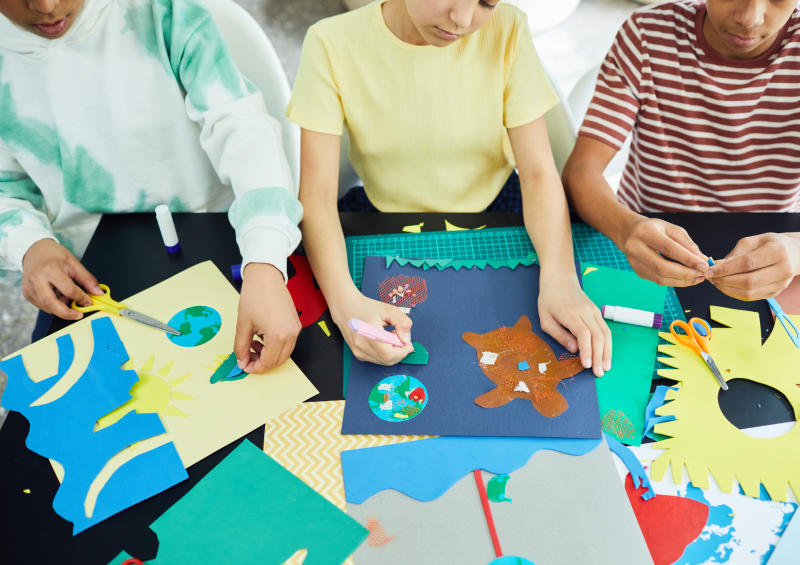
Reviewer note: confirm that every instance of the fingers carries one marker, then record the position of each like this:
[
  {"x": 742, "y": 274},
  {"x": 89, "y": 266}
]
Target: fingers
[
  {"x": 606, "y": 354},
  {"x": 649, "y": 271},
  {"x": 652, "y": 266},
  {"x": 242, "y": 341},
  {"x": 558, "y": 332},
  {"x": 380, "y": 353},
  {"x": 48, "y": 300},
  {"x": 402, "y": 323},
  {"x": 688, "y": 252},
  {"x": 67, "y": 287},
  {"x": 761, "y": 293},
  {"x": 85, "y": 279},
  {"x": 746, "y": 262}
]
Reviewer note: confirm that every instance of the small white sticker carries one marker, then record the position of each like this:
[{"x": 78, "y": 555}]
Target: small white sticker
[
  {"x": 385, "y": 386},
  {"x": 543, "y": 367},
  {"x": 405, "y": 310},
  {"x": 522, "y": 387},
  {"x": 488, "y": 358},
  {"x": 387, "y": 405}
]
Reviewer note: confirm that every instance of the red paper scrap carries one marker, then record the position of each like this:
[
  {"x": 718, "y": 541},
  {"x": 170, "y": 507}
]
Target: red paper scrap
[
  {"x": 668, "y": 523},
  {"x": 309, "y": 301}
]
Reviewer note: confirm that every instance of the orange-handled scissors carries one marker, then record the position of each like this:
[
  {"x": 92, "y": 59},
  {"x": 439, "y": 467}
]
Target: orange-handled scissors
[
  {"x": 104, "y": 303},
  {"x": 696, "y": 335}
]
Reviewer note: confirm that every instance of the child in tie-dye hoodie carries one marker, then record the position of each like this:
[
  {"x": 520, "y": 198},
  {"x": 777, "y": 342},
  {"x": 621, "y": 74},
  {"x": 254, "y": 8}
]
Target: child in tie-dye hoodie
[{"x": 121, "y": 105}]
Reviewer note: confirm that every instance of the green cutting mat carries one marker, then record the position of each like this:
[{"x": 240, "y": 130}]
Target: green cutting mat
[{"x": 495, "y": 243}]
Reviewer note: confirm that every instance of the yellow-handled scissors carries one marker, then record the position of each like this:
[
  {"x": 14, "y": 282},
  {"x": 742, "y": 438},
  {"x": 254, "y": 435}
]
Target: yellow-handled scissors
[
  {"x": 104, "y": 303},
  {"x": 696, "y": 335}
]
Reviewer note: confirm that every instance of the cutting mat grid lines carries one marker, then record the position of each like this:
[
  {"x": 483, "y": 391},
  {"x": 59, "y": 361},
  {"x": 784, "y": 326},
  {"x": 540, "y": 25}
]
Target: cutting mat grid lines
[{"x": 590, "y": 246}]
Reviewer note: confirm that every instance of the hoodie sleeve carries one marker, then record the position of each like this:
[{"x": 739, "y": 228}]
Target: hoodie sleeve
[
  {"x": 243, "y": 142},
  {"x": 23, "y": 217}
]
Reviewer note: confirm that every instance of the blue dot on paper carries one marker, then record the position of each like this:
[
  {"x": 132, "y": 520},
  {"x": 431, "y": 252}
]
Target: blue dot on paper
[
  {"x": 198, "y": 325},
  {"x": 523, "y": 366}
]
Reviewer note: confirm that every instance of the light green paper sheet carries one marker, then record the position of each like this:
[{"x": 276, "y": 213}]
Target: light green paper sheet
[
  {"x": 249, "y": 509},
  {"x": 623, "y": 392}
]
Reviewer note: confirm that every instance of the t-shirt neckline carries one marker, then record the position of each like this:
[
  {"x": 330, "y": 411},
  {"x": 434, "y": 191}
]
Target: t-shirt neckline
[
  {"x": 378, "y": 13},
  {"x": 714, "y": 57}
]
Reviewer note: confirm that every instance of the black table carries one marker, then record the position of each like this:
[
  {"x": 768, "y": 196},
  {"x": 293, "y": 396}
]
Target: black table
[{"x": 127, "y": 254}]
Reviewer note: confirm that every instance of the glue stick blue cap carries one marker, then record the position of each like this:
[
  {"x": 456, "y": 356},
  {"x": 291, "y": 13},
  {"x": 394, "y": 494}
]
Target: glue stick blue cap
[
  {"x": 167, "y": 227},
  {"x": 711, "y": 261},
  {"x": 236, "y": 271}
]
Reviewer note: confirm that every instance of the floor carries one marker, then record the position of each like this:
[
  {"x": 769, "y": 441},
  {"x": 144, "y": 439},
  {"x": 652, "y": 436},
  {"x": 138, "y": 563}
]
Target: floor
[{"x": 568, "y": 51}]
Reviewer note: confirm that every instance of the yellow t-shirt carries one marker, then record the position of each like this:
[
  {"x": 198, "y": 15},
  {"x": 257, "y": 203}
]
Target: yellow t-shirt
[{"x": 427, "y": 124}]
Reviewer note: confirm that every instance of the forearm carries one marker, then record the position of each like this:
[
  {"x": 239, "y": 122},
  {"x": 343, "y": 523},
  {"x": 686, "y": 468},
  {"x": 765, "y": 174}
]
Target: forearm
[{"x": 595, "y": 201}]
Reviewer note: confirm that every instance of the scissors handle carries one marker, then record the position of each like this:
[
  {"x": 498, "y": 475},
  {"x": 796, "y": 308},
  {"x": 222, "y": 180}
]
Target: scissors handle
[
  {"x": 101, "y": 302},
  {"x": 688, "y": 339}
]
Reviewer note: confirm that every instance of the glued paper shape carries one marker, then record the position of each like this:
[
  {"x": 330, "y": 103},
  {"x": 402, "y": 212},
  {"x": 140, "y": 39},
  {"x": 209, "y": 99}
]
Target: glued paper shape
[
  {"x": 226, "y": 369},
  {"x": 62, "y": 428},
  {"x": 312, "y": 429},
  {"x": 398, "y": 398},
  {"x": 739, "y": 529},
  {"x": 308, "y": 300},
  {"x": 198, "y": 325},
  {"x": 701, "y": 438},
  {"x": 220, "y": 413},
  {"x": 324, "y": 327},
  {"x": 439, "y": 264},
  {"x": 249, "y": 509},
  {"x": 496, "y": 489},
  {"x": 425, "y": 470},
  {"x": 417, "y": 357},
  {"x": 542, "y": 525},
  {"x": 668, "y": 523},
  {"x": 624, "y": 391},
  {"x": 454, "y": 377},
  {"x": 403, "y": 291},
  {"x": 509, "y": 372}
]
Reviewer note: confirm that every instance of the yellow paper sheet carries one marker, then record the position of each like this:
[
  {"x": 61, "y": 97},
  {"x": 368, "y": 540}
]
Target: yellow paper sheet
[
  {"x": 200, "y": 418},
  {"x": 701, "y": 437}
]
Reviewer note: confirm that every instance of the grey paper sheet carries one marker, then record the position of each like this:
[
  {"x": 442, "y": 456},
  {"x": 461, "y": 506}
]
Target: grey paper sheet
[{"x": 565, "y": 510}]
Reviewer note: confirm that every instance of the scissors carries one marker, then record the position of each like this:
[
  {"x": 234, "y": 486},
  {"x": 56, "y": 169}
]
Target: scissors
[
  {"x": 788, "y": 325},
  {"x": 697, "y": 333},
  {"x": 105, "y": 303}
]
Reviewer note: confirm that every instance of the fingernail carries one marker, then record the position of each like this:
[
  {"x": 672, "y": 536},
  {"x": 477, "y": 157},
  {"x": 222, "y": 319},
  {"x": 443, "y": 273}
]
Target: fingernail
[
  {"x": 702, "y": 267},
  {"x": 241, "y": 364},
  {"x": 601, "y": 374},
  {"x": 698, "y": 279},
  {"x": 607, "y": 365},
  {"x": 587, "y": 363},
  {"x": 406, "y": 337},
  {"x": 708, "y": 274}
]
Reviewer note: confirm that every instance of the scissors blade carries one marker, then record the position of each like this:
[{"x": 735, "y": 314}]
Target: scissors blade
[
  {"x": 147, "y": 320},
  {"x": 713, "y": 366}
]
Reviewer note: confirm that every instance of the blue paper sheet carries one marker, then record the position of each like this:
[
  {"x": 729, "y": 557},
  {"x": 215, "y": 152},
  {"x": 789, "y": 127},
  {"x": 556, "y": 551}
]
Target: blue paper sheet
[
  {"x": 657, "y": 400},
  {"x": 467, "y": 300},
  {"x": 426, "y": 469},
  {"x": 62, "y": 430},
  {"x": 633, "y": 464}
]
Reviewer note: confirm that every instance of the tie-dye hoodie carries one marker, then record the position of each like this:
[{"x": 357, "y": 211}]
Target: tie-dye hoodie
[{"x": 139, "y": 104}]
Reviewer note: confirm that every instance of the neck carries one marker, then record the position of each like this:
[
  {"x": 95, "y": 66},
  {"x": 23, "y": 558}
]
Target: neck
[
  {"x": 718, "y": 45},
  {"x": 395, "y": 14}
]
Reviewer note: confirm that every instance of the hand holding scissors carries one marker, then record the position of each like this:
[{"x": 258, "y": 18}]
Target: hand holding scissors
[
  {"x": 105, "y": 303},
  {"x": 696, "y": 335}
]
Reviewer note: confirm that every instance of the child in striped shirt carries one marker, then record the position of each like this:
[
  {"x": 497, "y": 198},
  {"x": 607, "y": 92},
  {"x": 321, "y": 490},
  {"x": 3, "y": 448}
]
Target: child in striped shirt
[
  {"x": 441, "y": 98},
  {"x": 711, "y": 93}
]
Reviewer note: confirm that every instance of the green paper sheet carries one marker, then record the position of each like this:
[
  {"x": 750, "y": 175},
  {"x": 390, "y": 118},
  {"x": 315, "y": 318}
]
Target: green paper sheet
[
  {"x": 249, "y": 509},
  {"x": 624, "y": 390}
]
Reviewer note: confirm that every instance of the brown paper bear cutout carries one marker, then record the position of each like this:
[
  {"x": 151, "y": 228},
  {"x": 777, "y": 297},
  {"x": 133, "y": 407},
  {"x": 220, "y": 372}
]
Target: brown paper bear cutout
[{"x": 512, "y": 346}]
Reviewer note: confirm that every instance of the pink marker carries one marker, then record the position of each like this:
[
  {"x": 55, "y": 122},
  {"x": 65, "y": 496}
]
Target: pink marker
[{"x": 371, "y": 332}]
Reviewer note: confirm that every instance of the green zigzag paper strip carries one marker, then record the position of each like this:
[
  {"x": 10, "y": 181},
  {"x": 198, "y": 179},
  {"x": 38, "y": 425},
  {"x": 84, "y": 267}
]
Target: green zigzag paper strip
[{"x": 463, "y": 263}]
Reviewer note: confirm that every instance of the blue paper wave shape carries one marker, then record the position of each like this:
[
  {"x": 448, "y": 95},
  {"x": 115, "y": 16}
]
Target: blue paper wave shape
[{"x": 428, "y": 468}]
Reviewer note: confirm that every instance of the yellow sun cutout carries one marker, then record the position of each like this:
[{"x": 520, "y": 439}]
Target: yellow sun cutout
[
  {"x": 701, "y": 437},
  {"x": 154, "y": 393}
]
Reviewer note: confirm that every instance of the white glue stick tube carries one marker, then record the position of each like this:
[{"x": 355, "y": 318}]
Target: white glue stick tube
[
  {"x": 631, "y": 316},
  {"x": 167, "y": 227}
]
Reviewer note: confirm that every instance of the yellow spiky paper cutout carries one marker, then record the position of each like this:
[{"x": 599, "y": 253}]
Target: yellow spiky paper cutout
[{"x": 701, "y": 437}]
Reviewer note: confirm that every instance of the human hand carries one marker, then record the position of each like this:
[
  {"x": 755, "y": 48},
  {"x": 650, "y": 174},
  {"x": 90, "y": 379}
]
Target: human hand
[
  {"x": 356, "y": 305},
  {"x": 52, "y": 278},
  {"x": 647, "y": 243},
  {"x": 567, "y": 314},
  {"x": 759, "y": 267},
  {"x": 266, "y": 309}
]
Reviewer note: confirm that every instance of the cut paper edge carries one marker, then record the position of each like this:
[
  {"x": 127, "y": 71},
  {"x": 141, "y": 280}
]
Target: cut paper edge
[
  {"x": 531, "y": 259},
  {"x": 225, "y": 369},
  {"x": 417, "y": 357},
  {"x": 450, "y": 227},
  {"x": 588, "y": 270},
  {"x": 633, "y": 464}
]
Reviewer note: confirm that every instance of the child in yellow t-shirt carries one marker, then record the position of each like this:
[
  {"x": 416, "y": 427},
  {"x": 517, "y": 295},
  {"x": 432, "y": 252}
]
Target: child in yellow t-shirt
[{"x": 442, "y": 99}]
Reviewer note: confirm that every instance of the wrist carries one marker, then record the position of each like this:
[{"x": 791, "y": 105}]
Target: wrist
[
  {"x": 264, "y": 272},
  {"x": 622, "y": 224}
]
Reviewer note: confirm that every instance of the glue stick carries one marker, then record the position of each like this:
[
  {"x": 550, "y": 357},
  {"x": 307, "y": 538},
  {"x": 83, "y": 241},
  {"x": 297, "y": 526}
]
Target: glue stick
[
  {"x": 167, "y": 227},
  {"x": 631, "y": 316}
]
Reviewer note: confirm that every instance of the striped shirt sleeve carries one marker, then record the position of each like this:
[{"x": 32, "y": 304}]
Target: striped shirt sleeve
[{"x": 616, "y": 102}]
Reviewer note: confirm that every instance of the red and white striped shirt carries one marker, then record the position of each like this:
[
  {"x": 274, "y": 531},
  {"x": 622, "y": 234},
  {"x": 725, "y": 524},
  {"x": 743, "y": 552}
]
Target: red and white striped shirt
[{"x": 710, "y": 134}]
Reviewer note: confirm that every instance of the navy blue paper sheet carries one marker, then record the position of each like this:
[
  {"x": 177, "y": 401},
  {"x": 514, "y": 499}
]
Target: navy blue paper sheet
[{"x": 461, "y": 301}]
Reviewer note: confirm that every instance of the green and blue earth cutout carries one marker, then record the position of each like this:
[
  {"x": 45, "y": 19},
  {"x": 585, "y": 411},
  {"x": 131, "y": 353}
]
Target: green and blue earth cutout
[{"x": 198, "y": 325}]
